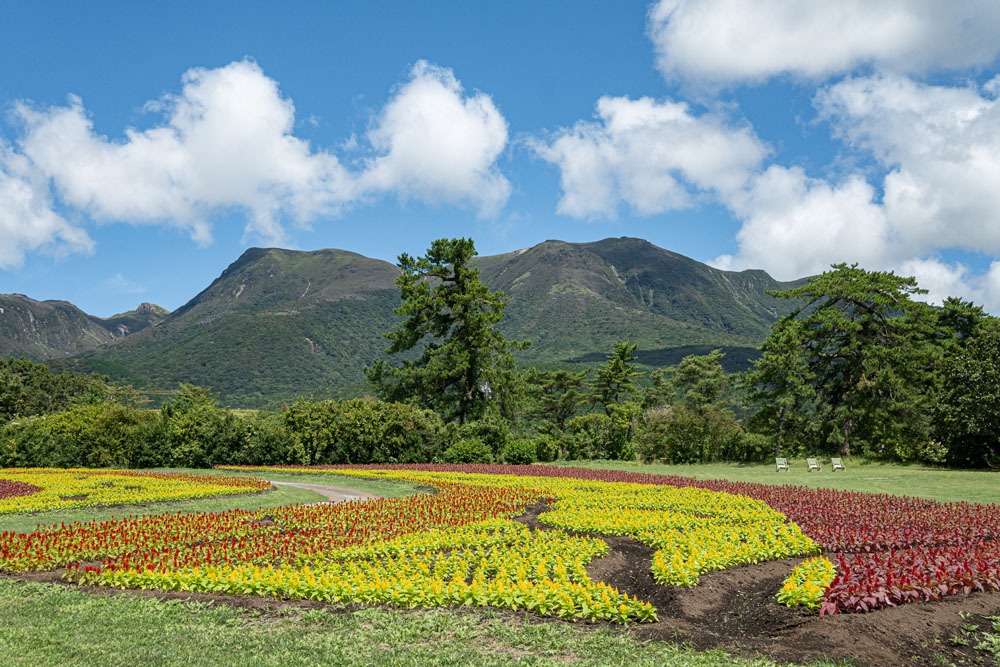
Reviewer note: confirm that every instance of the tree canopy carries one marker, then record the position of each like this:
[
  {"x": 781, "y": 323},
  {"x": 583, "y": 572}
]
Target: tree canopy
[{"x": 465, "y": 364}]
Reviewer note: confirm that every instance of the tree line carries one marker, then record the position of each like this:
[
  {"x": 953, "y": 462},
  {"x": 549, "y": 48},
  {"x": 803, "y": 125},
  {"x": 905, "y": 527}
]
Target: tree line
[{"x": 858, "y": 367}]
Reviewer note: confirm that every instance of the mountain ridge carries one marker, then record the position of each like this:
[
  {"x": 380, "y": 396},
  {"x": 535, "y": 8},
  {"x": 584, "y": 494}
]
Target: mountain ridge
[{"x": 277, "y": 324}]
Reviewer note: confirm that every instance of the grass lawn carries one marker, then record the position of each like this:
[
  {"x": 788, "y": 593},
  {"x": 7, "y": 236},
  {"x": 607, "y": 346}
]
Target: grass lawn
[
  {"x": 938, "y": 483},
  {"x": 48, "y": 624}
]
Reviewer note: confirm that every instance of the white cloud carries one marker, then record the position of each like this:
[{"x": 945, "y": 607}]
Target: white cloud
[
  {"x": 939, "y": 151},
  {"x": 940, "y": 279},
  {"x": 122, "y": 285},
  {"x": 439, "y": 146},
  {"x": 226, "y": 144},
  {"x": 28, "y": 222},
  {"x": 795, "y": 226},
  {"x": 728, "y": 41},
  {"x": 941, "y": 147},
  {"x": 653, "y": 156}
]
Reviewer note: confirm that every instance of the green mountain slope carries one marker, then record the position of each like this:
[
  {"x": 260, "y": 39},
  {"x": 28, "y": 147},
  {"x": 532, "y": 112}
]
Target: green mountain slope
[
  {"x": 41, "y": 330},
  {"x": 279, "y": 324},
  {"x": 574, "y": 300},
  {"x": 275, "y": 325}
]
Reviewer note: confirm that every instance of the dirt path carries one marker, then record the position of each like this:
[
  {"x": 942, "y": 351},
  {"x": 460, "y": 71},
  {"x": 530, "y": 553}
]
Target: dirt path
[{"x": 336, "y": 494}]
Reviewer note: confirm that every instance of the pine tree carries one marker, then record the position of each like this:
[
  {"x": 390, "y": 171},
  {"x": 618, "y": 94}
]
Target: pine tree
[{"x": 465, "y": 363}]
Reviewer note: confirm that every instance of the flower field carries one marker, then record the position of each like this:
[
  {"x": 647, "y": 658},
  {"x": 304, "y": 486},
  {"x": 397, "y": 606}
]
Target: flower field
[
  {"x": 44, "y": 489},
  {"x": 886, "y": 550},
  {"x": 459, "y": 546}
]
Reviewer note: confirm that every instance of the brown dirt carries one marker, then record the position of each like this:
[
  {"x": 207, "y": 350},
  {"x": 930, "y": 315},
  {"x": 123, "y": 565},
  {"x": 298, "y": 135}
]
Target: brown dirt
[{"x": 734, "y": 610}]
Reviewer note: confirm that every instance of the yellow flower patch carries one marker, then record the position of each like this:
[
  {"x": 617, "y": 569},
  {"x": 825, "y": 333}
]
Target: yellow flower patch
[{"x": 64, "y": 488}]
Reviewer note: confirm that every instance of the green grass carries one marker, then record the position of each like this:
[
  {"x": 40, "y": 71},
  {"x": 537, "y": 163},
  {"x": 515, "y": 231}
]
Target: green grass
[
  {"x": 909, "y": 480},
  {"x": 48, "y": 624},
  {"x": 281, "y": 495}
]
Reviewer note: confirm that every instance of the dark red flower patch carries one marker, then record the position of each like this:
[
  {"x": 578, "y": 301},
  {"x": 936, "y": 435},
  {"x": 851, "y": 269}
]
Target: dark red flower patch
[{"x": 11, "y": 489}]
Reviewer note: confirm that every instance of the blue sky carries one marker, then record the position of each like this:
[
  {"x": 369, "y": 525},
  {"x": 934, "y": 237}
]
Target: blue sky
[{"x": 144, "y": 146}]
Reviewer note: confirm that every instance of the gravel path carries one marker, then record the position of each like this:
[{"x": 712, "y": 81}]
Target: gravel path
[{"x": 335, "y": 494}]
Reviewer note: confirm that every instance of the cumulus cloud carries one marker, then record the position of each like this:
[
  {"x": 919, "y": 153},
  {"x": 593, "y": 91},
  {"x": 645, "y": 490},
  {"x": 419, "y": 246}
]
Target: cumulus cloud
[
  {"x": 939, "y": 150},
  {"x": 794, "y": 225},
  {"x": 225, "y": 144},
  {"x": 439, "y": 146},
  {"x": 728, "y": 41},
  {"x": 28, "y": 221},
  {"x": 653, "y": 156}
]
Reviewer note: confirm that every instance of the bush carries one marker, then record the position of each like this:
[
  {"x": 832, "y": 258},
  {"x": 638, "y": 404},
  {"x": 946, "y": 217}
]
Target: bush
[
  {"x": 547, "y": 447},
  {"x": 469, "y": 450},
  {"x": 491, "y": 430},
  {"x": 265, "y": 441},
  {"x": 520, "y": 451},
  {"x": 680, "y": 434},
  {"x": 598, "y": 436},
  {"x": 362, "y": 431},
  {"x": 103, "y": 435}
]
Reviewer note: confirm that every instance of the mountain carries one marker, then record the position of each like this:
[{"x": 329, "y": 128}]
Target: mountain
[
  {"x": 279, "y": 324},
  {"x": 574, "y": 300},
  {"x": 56, "y": 329},
  {"x": 275, "y": 325}
]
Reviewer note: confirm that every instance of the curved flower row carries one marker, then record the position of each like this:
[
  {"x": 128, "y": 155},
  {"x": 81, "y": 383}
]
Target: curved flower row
[
  {"x": 64, "y": 488},
  {"x": 495, "y": 562},
  {"x": 694, "y": 530},
  {"x": 891, "y": 549}
]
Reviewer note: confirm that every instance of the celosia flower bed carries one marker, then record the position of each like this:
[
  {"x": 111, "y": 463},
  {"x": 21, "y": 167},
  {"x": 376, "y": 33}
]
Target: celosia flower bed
[
  {"x": 459, "y": 546},
  {"x": 53, "y": 489},
  {"x": 11, "y": 489},
  {"x": 454, "y": 547},
  {"x": 887, "y": 550}
]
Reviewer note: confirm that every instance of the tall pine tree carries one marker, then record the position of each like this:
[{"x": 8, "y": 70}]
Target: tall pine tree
[{"x": 465, "y": 364}]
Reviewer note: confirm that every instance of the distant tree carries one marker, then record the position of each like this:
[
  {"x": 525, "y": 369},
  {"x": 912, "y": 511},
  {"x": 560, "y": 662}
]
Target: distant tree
[
  {"x": 782, "y": 386},
  {"x": 198, "y": 432},
  {"x": 615, "y": 380},
  {"x": 699, "y": 380},
  {"x": 464, "y": 364},
  {"x": 555, "y": 397},
  {"x": 860, "y": 354},
  {"x": 28, "y": 388},
  {"x": 968, "y": 415}
]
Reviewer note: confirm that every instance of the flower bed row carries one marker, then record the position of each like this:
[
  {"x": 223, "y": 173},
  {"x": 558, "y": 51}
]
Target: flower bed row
[
  {"x": 63, "y": 488},
  {"x": 889, "y": 549},
  {"x": 693, "y": 530}
]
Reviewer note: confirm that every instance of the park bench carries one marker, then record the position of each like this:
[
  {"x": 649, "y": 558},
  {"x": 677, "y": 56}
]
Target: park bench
[
  {"x": 812, "y": 464},
  {"x": 780, "y": 464}
]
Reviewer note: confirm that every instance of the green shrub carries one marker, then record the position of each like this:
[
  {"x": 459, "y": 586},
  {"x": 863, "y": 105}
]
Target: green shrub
[
  {"x": 547, "y": 447},
  {"x": 680, "y": 434},
  {"x": 362, "y": 431},
  {"x": 98, "y": 436},
  {"x": 520, "y": 451},
  {"x": 493, "y": 431},
  {"x": 469, "y": 450},
  {"x": 607, "y": 436},
  {"x": 265, "y": 441}
]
